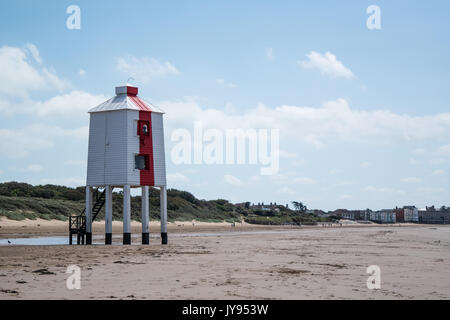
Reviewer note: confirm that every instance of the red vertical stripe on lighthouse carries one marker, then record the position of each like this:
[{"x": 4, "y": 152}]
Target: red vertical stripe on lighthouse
[
  {"x": 147, "y": 177},
  {"x": 146, "y": 148}
]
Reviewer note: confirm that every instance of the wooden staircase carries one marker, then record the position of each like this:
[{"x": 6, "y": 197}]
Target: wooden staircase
[{"x": 77, "y": 224}]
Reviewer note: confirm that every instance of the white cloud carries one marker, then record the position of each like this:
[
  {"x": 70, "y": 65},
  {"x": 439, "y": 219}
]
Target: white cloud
[
  {"x": 411, "y": 180},
  {"x": 269, "y": 54},
  {"x": 286, "y": 190},
  {"x": 82, "y": 72},
  {"x": 75, "y": 103},
  {"x": 365, "y": 164},
  {"x": 441, "y": 155},
  {"x": 19, "y": 143},
  {"x": 145, "y": 69},
  {"x": 433, "y": 190},
  {"x": 53, "y": 81},
  {"x": 298, "y": 162},
  {"x": 438, "y": 172},
  {"x": 232, "y": 180},
  {"x": 223, "y": 83},
  {"x": 18, "y": 77},
  {"x": 52, "y": 131},
  {"x": 31, "y": 168},
  {"x": 327, "y": 64},
  {"x": 444, "y": 150},
  {"x": 333, "y": 121},
  {"x": 287, "y": 154},
  {"x": 291, "y": 179},
  {"x": 177, "y": 177},
  {"x": 303, "y": 180},
  {"x": 75, "y": 163},
  {"x": 230, "y": 108},
  {"x": 437, "y": 161},
  {"x": 345, "y": 197},
  {"x": 346, "y": 183},
  {"x": 280, "y": 178},
  {"x": 383, "y": 190}
]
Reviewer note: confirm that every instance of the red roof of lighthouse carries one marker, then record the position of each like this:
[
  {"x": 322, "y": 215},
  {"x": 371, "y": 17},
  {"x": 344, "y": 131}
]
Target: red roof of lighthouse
[{"x": 126, "y": 99}]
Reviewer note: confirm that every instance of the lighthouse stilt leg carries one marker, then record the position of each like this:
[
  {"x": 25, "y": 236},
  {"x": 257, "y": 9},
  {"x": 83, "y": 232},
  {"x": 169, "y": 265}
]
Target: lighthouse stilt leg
[
  {"x": 145, "y": 215},
  {"x": 108, "y": 215},
  {"x": 163, "y": 205},
  {"x": 88, "y": 215},
  {"x": 126, "y": 215}
]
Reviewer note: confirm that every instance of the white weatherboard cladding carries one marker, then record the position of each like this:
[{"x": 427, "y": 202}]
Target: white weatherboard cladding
[
  {"x": 115, "y": 148},
  {"x": 96, "y": 150},
  {"x": 112, "y": 145},
  {"x": 159, "y": 160},
  {"x": 134, "y": 177}
]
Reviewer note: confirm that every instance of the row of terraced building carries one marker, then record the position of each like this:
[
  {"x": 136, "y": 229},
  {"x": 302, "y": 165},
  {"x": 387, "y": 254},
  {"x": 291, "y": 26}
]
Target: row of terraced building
[{"x": 406, "y": 214}]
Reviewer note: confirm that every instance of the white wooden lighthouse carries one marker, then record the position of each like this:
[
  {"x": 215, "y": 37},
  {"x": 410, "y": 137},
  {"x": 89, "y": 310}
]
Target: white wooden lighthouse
[{"x": 126, "y": 150}]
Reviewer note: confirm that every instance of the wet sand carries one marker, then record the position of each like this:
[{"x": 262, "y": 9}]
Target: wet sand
[{"x": 265, "y": 263}]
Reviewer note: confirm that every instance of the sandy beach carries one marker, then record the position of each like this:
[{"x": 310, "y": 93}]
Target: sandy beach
[{"x": 210, "y": 261}]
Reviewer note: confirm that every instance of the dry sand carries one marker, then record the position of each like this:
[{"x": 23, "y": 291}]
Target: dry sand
[{"x": 245, "y": 262}]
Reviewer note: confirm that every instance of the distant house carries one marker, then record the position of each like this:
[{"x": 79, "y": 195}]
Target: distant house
[
  {"x": 383, "y": 216},
  {"x": 375, "y": 216},
  {"x": 318, "y": 212},
  {"x": 324, "y": 214},
  {"x": 411, "y": 214},
  {"x": 352, "y": 214},
  {"x": 365, "y": 214},
  {"x": 362, "y": 214},
  {"x": 432, "y": 216},
  {"x": 343, "y": 214},
  {"x": 399, "y": 214},
  {"x": 265, "y": 209},
  {"x": 387, "y": 216},
  {"x": 347, "y": 214}
]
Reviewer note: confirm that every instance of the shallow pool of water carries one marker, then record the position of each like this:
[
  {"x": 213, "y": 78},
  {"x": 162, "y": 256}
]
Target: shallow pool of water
[
  {"x": 38, "y": 241},
  {"x": 117, "y": 238},
  {"x": 49, "y": 241}
]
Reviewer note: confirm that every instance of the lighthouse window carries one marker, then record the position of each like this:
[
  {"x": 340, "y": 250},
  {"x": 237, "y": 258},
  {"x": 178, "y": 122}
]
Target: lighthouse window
[
  {"x": 143, "y": 128},
  {"x": 141, "y": 162}
]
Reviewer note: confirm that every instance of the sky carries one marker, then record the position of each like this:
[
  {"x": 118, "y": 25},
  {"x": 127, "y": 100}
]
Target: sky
[{"x": 362, "y": 113}]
